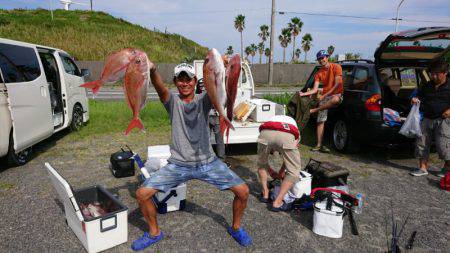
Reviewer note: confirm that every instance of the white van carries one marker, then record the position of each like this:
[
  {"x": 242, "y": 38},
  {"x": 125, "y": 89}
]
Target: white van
[{"x": 39, "y": 96}]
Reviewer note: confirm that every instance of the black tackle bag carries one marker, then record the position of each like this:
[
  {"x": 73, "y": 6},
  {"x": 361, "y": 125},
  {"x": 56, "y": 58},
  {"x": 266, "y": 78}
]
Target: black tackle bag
[{"x": 122, "y": 163}]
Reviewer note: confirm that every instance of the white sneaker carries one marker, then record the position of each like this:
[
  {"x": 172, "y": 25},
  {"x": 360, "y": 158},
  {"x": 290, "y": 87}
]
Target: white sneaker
[{"x": 418, "y": 173}]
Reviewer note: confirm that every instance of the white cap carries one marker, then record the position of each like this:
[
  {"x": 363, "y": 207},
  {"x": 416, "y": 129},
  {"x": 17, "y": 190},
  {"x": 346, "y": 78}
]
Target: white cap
[{"x": 184, "y": 67}]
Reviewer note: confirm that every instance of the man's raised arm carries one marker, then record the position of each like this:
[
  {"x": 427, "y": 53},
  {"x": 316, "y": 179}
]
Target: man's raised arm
[{"x": 161, "y": 89}]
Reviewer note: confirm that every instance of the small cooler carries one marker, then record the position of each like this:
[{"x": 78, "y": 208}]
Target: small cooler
[
  {"x": 175, "y": 198},
  {"x": 264, "y": 110},
  {"x": 95, "y": 233}
]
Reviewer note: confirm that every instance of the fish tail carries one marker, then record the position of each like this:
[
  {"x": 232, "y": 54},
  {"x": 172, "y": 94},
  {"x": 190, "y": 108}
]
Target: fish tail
[
  {"x": 224, "y": 124},
  {"x": 136, "y": 122},
  {"x": 94, "y": 85}
]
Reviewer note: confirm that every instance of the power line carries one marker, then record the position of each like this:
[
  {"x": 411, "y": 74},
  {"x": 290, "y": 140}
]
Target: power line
[{"x": 360, "y": 17}]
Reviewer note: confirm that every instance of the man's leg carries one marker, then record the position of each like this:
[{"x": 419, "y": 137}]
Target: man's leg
[
  {"x": 262, "y": 173},
  {"x": 442, "y": 137},
  {"x": 286, "y": 185},
  {"x": 148, "y": 209},
  {"x": 330, "y": 103},
  {"x": 422, "y": 150},
  {"x": 320, "y": 130},
  {"x": 241, "y": 193}
]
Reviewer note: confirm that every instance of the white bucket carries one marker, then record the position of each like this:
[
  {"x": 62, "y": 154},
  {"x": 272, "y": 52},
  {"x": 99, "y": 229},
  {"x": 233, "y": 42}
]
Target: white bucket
[{"x": 328, "y": 223}]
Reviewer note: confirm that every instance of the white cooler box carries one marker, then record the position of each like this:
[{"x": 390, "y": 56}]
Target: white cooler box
[
  {"x": 303, "y": 186},
  {"x": 328, "y": 223},
  {"x": 175, "y": 198},
  {"x": 95, "y": 233},
  {"x": 264, "y": 110}
]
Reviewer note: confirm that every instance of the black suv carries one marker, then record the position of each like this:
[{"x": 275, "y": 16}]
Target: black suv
[{"x": 370, "y": 87}]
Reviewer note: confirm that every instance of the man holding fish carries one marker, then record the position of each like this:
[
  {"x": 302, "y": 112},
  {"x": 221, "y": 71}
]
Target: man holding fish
[{"x": 192, "y": 156}]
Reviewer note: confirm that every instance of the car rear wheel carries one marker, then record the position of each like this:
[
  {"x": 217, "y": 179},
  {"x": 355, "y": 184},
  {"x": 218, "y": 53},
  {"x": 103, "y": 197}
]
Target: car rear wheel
[
  {"x": 342, "y": 138},
  {"x": 77, "y": 118},
  {"x": 20, "y": 158}
]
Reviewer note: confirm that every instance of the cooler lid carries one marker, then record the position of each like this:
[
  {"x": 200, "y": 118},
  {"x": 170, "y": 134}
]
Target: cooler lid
[
  {"x": 158, "y": 151},
  {"x": 63, "y": 189}
]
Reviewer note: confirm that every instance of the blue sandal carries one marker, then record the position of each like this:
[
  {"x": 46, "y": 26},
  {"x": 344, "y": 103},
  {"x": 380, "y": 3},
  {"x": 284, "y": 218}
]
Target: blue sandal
[
  {"x": 146, "y": 240},
  {"x": 240, "y": 236}
]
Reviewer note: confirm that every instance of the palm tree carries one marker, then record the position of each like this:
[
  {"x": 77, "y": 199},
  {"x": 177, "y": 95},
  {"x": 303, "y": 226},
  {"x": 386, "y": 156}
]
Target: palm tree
[
  {"x": 296, "y": 27},
  {"x": 254, "y": 49},
  {"x": 330, "y": 50},
  {"x": 267, "y": 54},
  {"x": 297, "y": 53},
  {"x": 264, "y": 33},
  {"x": 260, "y": 50},
  {"x": 248, "y": 51},
  {"x": 349, "y": 56},
  {"x": 357, "y": 56},
  {"x": 285, "y": 39},
  {"x": 239, "y": 24},
  {"x": 306, "y": 44},
  {"x": 230, "y": 50}
]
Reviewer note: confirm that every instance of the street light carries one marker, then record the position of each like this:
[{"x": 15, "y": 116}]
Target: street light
[{"x": 396, "y": 19}]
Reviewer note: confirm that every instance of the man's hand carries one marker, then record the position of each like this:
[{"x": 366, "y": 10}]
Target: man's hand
[
  {"x": 300, "y": 94},
  {"x": 151, "y": 66},
  {"x": 446, "y": 114},
  {"x": 321, "y": 97},
  {"x": 415, "y": 100}
]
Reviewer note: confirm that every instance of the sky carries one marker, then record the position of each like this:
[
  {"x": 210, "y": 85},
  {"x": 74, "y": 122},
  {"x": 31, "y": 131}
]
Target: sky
[{"x": 211, "y": 23}]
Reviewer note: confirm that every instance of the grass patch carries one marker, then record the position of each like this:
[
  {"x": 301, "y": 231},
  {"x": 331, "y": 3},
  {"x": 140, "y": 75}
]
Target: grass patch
[
  {"x": 93, "y": 35},
  {"x": 5, "y": 186},
  {"x": 107, "y": 117},
  {"x": 279, "y": 98}
]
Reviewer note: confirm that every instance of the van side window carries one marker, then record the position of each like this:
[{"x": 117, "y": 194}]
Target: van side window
[
  {"x": 69, "y": 66},
  {"x": 360, "y": 79},
  {"x": 18, "y": 64}
]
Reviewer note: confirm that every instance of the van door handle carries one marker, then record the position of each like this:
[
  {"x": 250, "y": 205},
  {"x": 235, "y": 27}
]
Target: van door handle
[{"x": 43, "y": 93}]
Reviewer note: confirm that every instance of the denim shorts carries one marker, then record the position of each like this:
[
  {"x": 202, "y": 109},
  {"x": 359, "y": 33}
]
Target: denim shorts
[{"x": 216, "y": 173}]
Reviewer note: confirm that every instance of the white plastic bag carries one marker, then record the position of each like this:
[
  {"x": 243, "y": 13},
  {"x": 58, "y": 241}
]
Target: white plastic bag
[{"x": 411, "y": 127}]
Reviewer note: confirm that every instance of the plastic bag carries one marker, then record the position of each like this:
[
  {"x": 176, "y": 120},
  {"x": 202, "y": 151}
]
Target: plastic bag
[{"x": 411, "y": 127}]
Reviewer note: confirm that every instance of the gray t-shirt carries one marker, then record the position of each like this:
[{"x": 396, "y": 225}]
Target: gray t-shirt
[{"x": 190, "y": 131}]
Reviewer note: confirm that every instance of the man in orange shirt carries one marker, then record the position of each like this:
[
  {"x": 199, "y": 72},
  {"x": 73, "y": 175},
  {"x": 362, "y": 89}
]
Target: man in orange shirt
[{"x": 330, "y": 75}]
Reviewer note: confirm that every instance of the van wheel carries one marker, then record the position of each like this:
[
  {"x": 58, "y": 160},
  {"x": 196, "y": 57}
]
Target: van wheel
[
  {"x": 77, "y": 118},
  {"x": 20, "y": 158},
  {"x": 342, "y": 138}
]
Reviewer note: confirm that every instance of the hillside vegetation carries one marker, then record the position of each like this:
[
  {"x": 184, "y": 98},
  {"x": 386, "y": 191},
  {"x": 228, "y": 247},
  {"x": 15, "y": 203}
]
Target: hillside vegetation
[{"x": 93, "y": 35}]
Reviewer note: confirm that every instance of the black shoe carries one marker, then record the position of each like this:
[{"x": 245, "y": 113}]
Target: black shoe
[{"x": 262, "y": 199}]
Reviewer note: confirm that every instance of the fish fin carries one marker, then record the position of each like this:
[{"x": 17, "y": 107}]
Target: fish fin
[
  {"x": 94, "y": 85},
  {"x": 136, "y": 122}
]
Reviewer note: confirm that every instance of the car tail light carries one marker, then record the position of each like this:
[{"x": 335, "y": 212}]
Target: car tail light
[
  {"x": 374, "y": 103},
  {"x": 83, "y": 227}
]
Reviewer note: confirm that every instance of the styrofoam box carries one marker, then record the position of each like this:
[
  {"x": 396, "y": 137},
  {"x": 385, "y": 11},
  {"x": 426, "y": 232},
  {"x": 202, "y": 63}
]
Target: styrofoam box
[
  {"x": 98, "y": 233},
  {"x": 303, "y": 186},
  {"x": 161, "y": 152},
  {"x": 177, "y": 199},
  {"x": 264, "y": 110}
]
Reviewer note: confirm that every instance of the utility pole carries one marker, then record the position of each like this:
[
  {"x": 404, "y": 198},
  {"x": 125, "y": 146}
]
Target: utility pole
[
  {"x": 91, "y": 5},
  {"x": 51, "y": 8},
  {"x": 272, "y": 31},
  {"x": 396, "y": 19}
]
